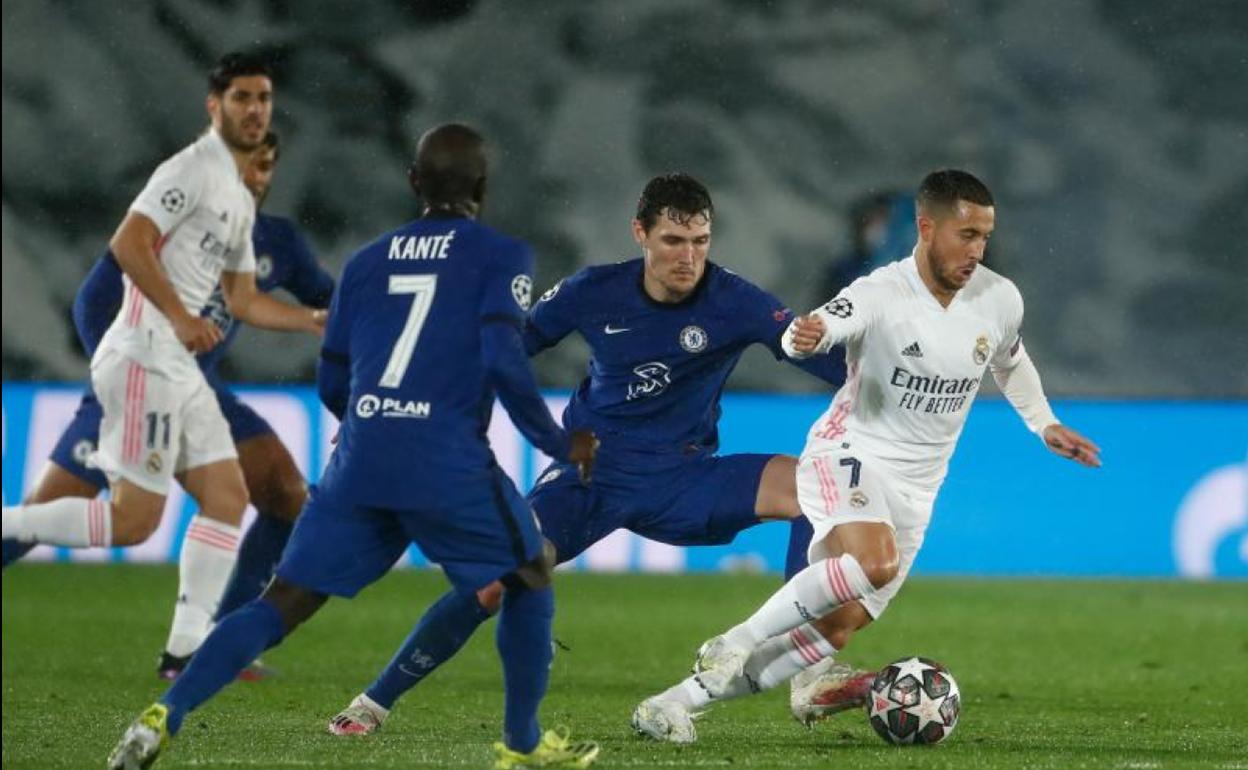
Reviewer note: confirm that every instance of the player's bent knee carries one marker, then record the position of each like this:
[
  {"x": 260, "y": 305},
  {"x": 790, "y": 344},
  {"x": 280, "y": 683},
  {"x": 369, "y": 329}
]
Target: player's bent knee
[
  {"x": 132, "y": 527},
  {"x": 294, "y": 603},
  {"x": 291, "y": 492},
  {"x": 879, "y": 571}
]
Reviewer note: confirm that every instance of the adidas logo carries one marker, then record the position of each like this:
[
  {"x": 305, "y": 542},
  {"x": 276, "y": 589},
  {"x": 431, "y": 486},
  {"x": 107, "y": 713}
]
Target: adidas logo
[{"x": 913, "y": 350}]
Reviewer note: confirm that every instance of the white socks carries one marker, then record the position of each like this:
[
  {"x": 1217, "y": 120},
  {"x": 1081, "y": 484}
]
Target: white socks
[
  {"x": 208, "y": 555},
  {"x": 771, "y": 663},
  {"x": 71, "y": 522},
  {"x": 811, "y": 593}
]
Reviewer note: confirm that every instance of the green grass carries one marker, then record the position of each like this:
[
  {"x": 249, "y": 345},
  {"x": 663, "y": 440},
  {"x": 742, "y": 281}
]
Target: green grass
[{"x": 1054, "y": 674}]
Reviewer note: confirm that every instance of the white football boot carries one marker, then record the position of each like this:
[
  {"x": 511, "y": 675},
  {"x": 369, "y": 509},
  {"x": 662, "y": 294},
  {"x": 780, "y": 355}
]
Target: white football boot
[
  {"x": 362, "y": 717},
  {"x": 826, "y": 688},
  {"x": 664, "y": 720},
  {"x": 718, "y": 663}
]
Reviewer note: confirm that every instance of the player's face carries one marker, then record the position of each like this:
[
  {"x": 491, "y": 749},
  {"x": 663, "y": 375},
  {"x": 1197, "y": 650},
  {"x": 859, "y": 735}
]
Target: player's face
[
  {"x": 956, "y": 242},
  {"x": 259, "y": 172},
  {"x": 675, "y": 254},
  {"x": 242, "y": 114}
]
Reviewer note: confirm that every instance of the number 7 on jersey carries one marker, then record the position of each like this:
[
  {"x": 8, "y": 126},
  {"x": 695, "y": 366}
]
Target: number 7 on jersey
[{"x": 422, "y": 288}]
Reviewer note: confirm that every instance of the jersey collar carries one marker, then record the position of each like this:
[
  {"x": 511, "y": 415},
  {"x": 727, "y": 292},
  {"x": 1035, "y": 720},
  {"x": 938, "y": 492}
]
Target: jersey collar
[
  {"x": 910, "y": 268},
  {"x": 216, "y": 146}
]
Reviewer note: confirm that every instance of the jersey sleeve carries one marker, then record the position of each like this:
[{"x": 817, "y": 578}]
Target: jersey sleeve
[
  {"x": 97, "y": 301},
  {"x": 508, "y": 287},
  {"x": 1010, "y": 351},
  {"x": 172, "y": 192},
  {"x": 308, "y": 281},
  {"x": 242, "y": 255},
  {"x": 333, "y": 370},
  {"x": 554, "y": 316},
  {"x": 846, "y": 317}
]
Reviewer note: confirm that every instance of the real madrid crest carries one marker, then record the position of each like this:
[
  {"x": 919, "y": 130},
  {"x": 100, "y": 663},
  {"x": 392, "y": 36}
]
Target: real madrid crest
[
  {"x": 154, "y": 463},
  {"x": 980, "y": 354},
  {"x": 693, "y": 339},
  {"x": 858, "y": 499}
]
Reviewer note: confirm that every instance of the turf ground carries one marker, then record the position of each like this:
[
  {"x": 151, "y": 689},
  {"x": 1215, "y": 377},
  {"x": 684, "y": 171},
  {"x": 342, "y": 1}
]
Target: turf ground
[{"x": 1128, "y": 675}]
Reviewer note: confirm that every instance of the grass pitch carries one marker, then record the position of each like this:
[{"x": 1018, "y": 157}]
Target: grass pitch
[{"x": 1054, "y": 674}]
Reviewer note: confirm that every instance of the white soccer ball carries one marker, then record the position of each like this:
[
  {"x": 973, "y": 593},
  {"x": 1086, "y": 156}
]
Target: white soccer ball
[{"x": 914, "y": 700}]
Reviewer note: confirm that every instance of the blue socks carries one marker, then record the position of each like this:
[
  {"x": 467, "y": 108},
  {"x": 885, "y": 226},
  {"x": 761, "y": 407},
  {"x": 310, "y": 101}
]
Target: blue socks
[
  {"x": 258, "y": 555},
  {"x": 800, "y": 533},
  {"x": 233, "y": 644},
  {"x": 439, "y": 634},
  {"x": 524, "y": 644}
]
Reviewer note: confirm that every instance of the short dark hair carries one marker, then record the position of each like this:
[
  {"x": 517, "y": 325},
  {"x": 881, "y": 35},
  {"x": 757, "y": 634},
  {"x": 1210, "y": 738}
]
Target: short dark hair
[
  {"x": 236, "y": 64},
  {"x": 450, "y": 164},
  {"x": 272, "y": 142},
  {"x": 683, "y": 196},
  {"x": 944, "y": 188}
]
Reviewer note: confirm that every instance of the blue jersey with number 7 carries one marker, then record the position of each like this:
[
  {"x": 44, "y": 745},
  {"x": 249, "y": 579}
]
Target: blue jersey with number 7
[{"x": 424, "y": 328}]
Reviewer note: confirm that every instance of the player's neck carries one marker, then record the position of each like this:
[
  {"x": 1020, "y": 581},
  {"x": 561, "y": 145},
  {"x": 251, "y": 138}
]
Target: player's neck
[{"x": 943, "y": 295}]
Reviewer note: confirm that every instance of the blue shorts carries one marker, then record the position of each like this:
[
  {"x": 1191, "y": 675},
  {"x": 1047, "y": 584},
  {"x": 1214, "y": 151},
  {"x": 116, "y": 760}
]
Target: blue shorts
[
  {"x": 705, "y": 501},
  {"x": 82, "y": 435},
  {"x": 476, "y": 532}
]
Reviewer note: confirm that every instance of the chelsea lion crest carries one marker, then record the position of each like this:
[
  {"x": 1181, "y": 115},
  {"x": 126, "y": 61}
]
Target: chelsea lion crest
[{"x": 693, "y": 339}]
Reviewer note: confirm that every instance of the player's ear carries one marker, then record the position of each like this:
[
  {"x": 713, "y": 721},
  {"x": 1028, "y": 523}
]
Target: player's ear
[
  {"x": 478, "y": 191},
  {"x": 639, "y": 232}
]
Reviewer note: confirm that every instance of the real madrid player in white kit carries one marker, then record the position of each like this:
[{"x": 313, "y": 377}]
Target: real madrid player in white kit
[
  {"x": 918, "y": 335},
  {"x": 189, "y": 229}
]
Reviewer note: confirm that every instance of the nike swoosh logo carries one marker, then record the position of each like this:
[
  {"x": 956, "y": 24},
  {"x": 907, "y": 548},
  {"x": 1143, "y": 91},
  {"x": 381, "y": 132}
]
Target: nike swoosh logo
[{"x": 609, "y": 329}]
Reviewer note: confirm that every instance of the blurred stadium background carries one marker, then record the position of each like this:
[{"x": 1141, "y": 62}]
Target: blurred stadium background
[{"x": 1114, "y": 135}]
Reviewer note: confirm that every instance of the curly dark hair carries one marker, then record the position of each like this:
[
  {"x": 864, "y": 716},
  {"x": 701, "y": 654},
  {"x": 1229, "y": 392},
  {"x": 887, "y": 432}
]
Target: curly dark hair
[{"x": 683, "y": 196}]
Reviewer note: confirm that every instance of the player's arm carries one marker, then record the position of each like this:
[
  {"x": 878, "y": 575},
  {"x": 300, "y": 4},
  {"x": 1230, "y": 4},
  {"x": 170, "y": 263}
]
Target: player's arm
[
  {"x": 506, "y": 357},
  {"x": 553, "y": 317},
  {"x": 250, "y": 305},
  {"x": 507, "y": 365},
  {"x": 333, "y": 367},
  {"x": 134, "y": 245},
  {"x": 1019, "y": 381},
  {"x": 841, "y": 319},
  {"x": 771, "y": 320},
  {"x": 97, "y": 301}
]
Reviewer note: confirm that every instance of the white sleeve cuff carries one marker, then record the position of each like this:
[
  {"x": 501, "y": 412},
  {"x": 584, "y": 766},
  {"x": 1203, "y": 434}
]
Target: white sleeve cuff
[{"x": 1021, "y": 386}]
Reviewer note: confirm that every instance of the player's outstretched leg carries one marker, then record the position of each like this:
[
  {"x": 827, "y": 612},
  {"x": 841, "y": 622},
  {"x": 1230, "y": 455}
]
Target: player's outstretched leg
[
  {"x": 669, "y": 715},
  {"x": 234, "y": 643},
  {"x": 813, "y": 592},
  {"x": 439, "y": 634}
]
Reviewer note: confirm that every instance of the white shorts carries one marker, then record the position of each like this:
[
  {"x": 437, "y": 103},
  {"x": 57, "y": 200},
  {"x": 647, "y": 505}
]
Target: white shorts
[
  {"x": 840, "y": 486},
  {"x": 154, "y": 426}
]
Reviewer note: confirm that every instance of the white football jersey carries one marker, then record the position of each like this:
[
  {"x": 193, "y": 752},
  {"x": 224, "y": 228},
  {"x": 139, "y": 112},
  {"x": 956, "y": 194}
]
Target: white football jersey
[
  {"x": 205, "y": 214},
  {"x": 914, "y": 366}
]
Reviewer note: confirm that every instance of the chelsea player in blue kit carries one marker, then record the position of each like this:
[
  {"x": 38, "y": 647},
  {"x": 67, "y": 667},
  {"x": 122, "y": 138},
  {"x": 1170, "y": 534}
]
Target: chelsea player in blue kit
[
  {"x": 666, "y": 330},
  {"x": 274, "y": 483},
  {"x": 424, "y": 328}
]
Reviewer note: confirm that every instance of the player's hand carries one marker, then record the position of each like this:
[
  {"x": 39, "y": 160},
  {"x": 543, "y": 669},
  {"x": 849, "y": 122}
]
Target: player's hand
[
  {"x": 806, "y": 333},
  {"x": 583, "y": 452},
  {"x": 319, "y": 318},
  {"x": 1069, "y": 444},
  {"x": 198, "y": 334}
]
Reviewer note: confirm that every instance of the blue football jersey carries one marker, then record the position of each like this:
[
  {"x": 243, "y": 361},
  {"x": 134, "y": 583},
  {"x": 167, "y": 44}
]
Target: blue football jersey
[
  {"x": 657, "y": 369},
  {"x": 406, "y": 323},
  {"x": 283, "y": 260}
]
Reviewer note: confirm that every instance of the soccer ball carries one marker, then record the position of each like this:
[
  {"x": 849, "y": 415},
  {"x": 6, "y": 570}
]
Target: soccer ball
[{"x": 914, "y": 700}]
